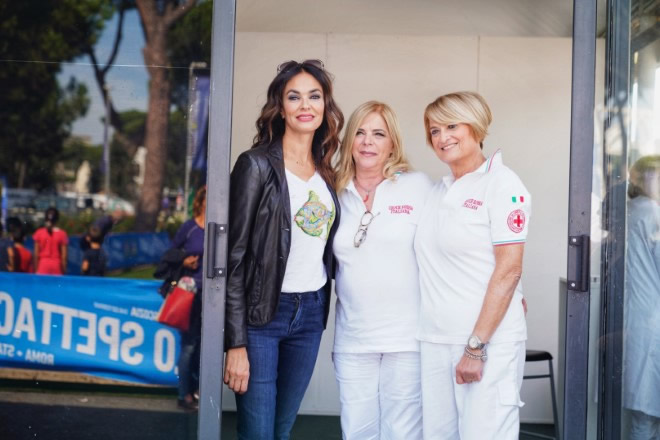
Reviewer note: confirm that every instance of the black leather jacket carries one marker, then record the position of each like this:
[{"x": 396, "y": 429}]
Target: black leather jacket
[{"x": 259, "y": 241}]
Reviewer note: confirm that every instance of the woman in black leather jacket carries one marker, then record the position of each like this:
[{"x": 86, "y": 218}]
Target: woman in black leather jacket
[{"x": 283, "y": 216}]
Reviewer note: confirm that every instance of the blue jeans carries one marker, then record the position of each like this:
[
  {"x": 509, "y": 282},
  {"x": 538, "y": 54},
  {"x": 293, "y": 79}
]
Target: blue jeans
[
  {"x": 188, "y": 366},
  {"x": 282, "y": 355}
]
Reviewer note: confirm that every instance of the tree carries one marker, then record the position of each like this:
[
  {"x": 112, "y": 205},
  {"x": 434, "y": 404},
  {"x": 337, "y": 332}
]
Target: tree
[
  {"x": 157, "y": 18},
  {"x": 36, "y": 113},
  {"x": 101, "y": 71}
]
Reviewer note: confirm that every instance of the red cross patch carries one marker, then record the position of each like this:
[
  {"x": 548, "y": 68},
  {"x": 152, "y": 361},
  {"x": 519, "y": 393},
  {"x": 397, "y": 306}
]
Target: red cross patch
[{"x": 516, "y": 221}]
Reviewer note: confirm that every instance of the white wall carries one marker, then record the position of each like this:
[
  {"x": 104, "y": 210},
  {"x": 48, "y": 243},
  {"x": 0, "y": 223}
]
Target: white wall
[{"x": 527, "y": 84}]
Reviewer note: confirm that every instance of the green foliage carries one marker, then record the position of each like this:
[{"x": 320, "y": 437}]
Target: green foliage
[
  {"x": 75, "y": 151},
  {"x": 79, "y": 223},
  {"x": 36, "y": 116},
  {"x": 176, "y": 150},
  {"x": 123, "y": 170},
  {"x": 169, "y": 223}
]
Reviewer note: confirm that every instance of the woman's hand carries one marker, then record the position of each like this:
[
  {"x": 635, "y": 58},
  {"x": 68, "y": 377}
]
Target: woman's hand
[
  {"x": 191, "y": 262},
  {"x": 237, "y": 369},
  {"x": 469, "y": 370}
]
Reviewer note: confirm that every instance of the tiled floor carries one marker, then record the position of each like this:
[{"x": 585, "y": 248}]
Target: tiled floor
[{"x": 327, "y": 428}]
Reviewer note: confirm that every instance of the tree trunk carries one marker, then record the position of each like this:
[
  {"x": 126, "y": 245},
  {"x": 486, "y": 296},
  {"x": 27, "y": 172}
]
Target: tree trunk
[
  {"x": 155, "y": 139},
  {"x": 156, "y": 26}
]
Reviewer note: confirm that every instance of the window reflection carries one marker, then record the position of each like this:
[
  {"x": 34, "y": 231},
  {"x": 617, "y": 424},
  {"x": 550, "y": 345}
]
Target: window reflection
[
  {"x": 641, "y": 361},
  {"x": 103, "y": 132},
  {"x": 642, "y": 303}
]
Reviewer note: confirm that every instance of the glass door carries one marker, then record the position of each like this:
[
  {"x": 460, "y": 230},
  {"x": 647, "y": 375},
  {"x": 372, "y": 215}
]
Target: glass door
[
  {"x": 629, "y": 375},
  {"x": 612, "y": 373}
]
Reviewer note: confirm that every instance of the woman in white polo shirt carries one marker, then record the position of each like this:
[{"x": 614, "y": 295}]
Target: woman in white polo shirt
[
  {"x": 376, "y": 355},
  {"x": 469, "y": 246}
]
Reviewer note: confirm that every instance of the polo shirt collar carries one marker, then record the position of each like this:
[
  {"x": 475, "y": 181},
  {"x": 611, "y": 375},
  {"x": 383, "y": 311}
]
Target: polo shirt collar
[
  {"x": 494, "y": 161},
  {"x": 351, "y": 184}
]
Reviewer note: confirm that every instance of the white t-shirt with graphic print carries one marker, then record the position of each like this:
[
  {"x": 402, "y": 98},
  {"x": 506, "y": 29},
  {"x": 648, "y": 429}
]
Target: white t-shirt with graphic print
[
  {"x": 462, "y": 222},
  {"x": 377, "y": 283},
  {"x": 312, "y": 215}
]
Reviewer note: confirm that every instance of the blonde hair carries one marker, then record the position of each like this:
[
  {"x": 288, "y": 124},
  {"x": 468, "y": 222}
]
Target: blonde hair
[
  {"x": 397, "y": 161},
  {"x": 642, "y": 175},
  {"x": 459, "y": 107}
]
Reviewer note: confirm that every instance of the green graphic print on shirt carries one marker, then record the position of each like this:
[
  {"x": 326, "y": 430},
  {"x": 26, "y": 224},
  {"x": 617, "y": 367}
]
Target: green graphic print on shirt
[{"x": 314, "y": 217}]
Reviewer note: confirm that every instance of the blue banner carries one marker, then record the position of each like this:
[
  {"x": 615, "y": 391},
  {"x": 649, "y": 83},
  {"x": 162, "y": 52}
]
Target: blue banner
[
  {"x": 99, "y": 326},
  {"x": 123, "y": 250},
  {"x": 4, "y": 200},
  {"x": 200, "y": 112},
  {"x": 132, "y": 249}
]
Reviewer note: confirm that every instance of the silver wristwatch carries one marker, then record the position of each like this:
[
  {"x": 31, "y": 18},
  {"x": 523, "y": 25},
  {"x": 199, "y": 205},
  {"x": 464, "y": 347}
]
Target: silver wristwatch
[{"x": 474, "y": 343}]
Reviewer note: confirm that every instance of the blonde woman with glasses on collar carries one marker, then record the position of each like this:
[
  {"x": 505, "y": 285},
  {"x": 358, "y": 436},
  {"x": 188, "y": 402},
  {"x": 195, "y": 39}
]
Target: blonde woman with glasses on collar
[{"x": 376, "y": 355}]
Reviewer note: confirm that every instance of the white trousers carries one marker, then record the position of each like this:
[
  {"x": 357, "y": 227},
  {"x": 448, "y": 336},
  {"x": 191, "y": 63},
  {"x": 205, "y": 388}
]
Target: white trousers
[
  {"x": 644, "y": 427},
  {"x": 484, "y": 410},
  {"x": 380, "y": 395}
]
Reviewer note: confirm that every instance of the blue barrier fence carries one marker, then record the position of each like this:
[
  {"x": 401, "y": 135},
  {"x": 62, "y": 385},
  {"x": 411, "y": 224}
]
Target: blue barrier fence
[
  {"x": 99, "y": 326},
  {"x": 123, "y": 250}
]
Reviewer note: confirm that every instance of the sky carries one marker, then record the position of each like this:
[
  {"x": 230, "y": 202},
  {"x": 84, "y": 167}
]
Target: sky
[{"x": 127, "y": 78}]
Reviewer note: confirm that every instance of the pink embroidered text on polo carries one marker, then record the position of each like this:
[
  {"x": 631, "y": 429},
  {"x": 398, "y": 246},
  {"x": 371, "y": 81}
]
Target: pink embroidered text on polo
[
  {"x": 472, "y": 204},
  {"x": 400, "y": 209}
]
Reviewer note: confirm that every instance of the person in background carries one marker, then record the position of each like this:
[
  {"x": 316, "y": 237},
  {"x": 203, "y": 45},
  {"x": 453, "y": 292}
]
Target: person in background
[
  {"x": 94, "y": 260},
  {"x": 50, "y": 246},
  {"x": 190, "y": 239},
  {"x": 6, "y": 252},
  {"x": 105, "y": 225},
  {"x": 469, "y": 245},
  {"x": 641, "y": 348},
  {"x": 376, "y": 355},
  {"x": 283, "y": 215},
  {"x": 23, "y": 261}
]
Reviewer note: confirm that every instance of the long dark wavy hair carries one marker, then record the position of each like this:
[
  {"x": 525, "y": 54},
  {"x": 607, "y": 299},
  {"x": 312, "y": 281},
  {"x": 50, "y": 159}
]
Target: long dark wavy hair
[{"x": 270, "y": 125}]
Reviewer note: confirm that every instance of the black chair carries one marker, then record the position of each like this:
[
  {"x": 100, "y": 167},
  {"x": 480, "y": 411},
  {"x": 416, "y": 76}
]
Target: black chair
[{"x": 538, "y": 356}]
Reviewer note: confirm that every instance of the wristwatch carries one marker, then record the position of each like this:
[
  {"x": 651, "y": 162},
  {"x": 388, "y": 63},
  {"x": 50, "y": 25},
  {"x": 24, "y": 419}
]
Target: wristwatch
[{"x": 474, "y": 343}]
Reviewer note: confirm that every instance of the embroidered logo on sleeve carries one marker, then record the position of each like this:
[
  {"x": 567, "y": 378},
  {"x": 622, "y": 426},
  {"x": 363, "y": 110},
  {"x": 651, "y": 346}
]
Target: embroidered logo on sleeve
[
  {"x": 472, "y": 204},
  {"x": 400, "y": 209},
  {"x": 516, "y": 221}
]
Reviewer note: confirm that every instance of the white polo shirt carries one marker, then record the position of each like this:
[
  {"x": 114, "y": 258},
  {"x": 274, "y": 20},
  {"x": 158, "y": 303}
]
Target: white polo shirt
[
  {"x": 377, "y": 284},
  {"x": 462, "y": 222}
]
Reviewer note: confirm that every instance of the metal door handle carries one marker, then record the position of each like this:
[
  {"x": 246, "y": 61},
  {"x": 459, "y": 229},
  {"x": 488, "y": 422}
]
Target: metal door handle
[
  {"x": 213, "y": 230},
  {"x": 578, "y": 273}
]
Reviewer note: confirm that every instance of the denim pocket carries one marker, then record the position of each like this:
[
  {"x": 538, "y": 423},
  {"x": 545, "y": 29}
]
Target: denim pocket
[{"x": 321, "y": 297}]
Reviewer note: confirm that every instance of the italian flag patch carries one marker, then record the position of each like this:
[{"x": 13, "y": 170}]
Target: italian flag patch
[{"x": 516, "y": 199}]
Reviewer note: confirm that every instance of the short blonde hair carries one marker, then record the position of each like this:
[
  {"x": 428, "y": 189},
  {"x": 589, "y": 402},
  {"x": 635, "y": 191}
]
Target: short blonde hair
[
  {"x": 643, "y": 174},
  {"x": 459, "y": 108},
  {"x": 397, "y": 161}
]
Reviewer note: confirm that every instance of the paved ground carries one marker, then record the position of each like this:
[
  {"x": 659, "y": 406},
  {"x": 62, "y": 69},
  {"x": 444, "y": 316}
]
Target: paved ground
[
  {"x": 56, "y": 415},
  {"x": 88, "y": 414}
]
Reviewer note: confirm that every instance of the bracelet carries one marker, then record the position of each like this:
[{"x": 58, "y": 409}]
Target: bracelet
[{"x": 477, "y": 357}]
